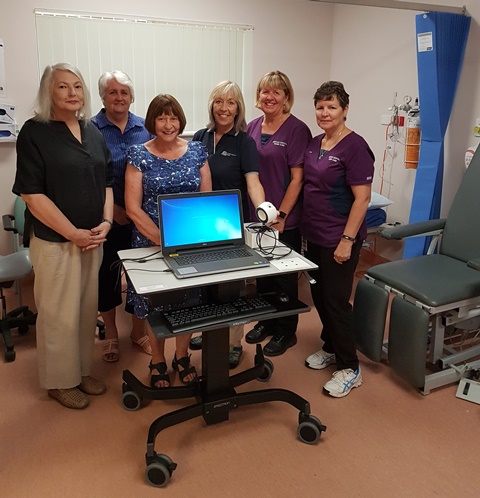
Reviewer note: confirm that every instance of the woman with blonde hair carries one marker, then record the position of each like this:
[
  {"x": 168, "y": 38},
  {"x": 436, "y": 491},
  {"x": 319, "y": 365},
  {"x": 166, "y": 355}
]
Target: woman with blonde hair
[
  {"x": 233, "y": 160},
  {"x": 281, "y": 139}
]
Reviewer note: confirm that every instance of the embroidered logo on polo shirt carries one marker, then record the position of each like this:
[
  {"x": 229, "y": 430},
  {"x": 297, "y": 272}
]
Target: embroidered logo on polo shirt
[
  {"x": 282, "y": 144},
  {"x": 334, "y": 159},
  {"x": 228, "y": 154}
]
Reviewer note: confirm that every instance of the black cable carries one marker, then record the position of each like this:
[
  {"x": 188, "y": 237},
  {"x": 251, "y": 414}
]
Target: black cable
[{"x": 263, "y": 231}]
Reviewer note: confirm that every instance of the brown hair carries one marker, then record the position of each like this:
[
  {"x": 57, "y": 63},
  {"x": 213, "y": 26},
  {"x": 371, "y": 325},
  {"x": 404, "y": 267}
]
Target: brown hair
[
  {"x": 331, "y": 89},
  {"x": 164, "y": 104}
]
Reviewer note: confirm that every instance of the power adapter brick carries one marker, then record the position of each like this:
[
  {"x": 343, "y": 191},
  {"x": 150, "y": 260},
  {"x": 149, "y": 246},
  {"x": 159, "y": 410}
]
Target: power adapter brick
[{"x": 267, "y": 238}]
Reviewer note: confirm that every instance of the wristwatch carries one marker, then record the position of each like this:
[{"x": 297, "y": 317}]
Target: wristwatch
[{"x": 282, "y": 215}]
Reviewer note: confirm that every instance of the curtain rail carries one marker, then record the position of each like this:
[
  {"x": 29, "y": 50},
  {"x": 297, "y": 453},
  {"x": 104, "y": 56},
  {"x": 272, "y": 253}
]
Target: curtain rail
[{"x": 396, "y": 4}]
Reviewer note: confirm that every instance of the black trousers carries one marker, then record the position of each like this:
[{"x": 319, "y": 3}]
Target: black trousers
[
  {"x": 331, "y": 296},
  {"x": 109, "y": 282},
  {"x": 288, "y": 283}
]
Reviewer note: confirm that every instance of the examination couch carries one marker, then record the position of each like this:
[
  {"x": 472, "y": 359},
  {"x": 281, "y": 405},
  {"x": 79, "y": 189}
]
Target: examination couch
[{"x": 429, "y": 338}]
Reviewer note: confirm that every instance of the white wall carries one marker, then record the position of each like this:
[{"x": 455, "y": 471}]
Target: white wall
[
  {"x": 372, "y": 50},
  {"x": 288, "y": 34},
  {"x": 374, "y": 54}
]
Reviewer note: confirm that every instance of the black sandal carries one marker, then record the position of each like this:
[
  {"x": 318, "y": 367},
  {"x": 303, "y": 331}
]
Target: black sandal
[
  {"x": 161, "y": 368},
  {"x": 187, "y": 369}
]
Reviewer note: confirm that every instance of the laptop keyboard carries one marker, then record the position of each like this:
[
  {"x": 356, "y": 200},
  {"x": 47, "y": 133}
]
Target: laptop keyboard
[
  {"x": 203, "y": 315},
  {"x": 205, "y": 257}
]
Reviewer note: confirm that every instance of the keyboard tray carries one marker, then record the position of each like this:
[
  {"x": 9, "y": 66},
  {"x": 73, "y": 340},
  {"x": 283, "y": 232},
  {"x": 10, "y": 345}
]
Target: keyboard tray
[{"x": 206, "y": 315}]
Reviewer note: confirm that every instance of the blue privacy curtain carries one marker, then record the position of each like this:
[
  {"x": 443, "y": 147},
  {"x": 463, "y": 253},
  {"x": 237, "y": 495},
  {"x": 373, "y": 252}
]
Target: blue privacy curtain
[{"x": 441, "y": 41}]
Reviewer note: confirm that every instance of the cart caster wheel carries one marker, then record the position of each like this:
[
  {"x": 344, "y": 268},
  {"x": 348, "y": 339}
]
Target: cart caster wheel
[
  {"x": 268, "y": 372},
  {"x": 9, "y": 356},
  {"x": 158, "y": 473},
  {"x": 310, "y": 430},
  {"x": 131, "y": 401}
]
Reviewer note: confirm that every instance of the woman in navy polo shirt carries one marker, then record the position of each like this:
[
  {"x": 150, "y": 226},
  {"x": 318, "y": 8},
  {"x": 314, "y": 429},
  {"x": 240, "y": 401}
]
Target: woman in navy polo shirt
[
  {"x": 233, "y": 160},
  {"x": 338, "y": 172}
]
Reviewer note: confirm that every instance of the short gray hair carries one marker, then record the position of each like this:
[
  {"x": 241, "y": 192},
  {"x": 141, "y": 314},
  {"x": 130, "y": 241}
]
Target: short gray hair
[
  {"x": 44, "y": 104},
  {"x": 119, "y": 77}
]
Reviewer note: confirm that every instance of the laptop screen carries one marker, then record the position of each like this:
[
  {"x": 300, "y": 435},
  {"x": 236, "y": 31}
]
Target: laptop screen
[{"x": 200, "y": 219}]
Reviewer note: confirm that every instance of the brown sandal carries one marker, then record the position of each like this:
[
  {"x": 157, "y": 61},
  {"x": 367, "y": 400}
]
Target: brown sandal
[
  {"x": 110, "y": 351},
  {"x": 70, "y": 398}
]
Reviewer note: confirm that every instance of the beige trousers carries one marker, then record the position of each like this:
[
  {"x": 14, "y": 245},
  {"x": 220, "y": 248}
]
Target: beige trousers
[{"x": 66, "y": 297}]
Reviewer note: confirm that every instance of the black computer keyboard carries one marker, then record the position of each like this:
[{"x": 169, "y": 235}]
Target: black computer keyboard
[
  {"x": 205, "y": 257},
  {"x": 204, "y": 315}
]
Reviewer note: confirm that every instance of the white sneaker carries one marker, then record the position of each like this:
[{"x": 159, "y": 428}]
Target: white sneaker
[
  {"x": 342, "y": 382},
  {"x": 320, "y": 360}
]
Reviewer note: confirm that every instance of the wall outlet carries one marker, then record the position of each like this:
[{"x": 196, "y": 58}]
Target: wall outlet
[{"x": 290, "y": 264}]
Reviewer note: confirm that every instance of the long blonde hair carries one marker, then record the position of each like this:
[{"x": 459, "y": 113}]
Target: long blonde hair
[{"x": 223, "y": 88}]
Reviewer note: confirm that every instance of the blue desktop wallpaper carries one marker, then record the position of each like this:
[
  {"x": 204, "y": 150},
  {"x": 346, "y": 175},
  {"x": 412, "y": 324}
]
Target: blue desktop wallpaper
[{"x": 200, "y": 220}]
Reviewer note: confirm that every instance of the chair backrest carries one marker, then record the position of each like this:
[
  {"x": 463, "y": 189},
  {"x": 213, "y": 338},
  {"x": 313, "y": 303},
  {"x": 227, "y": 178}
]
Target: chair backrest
[
  {"x": 461, "y": 236},
  {"x": 19, "y": 213}
]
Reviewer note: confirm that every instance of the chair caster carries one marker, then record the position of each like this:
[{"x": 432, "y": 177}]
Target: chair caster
[
  {"x": 9, "y": 356},
  {"x": 310, "y": 429},
  {"x": 131, "y": 401},
  {"x": 101, "y": 330},
  {"x": 268, "y": 372},
  {"x": 29, "y": 318},
  {"x": 22, "y": 329},
  {"x": 159, "y": 471}
]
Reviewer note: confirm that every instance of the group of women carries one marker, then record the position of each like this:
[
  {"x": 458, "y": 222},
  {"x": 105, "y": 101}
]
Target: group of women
[{"x": 91, "y": 190}]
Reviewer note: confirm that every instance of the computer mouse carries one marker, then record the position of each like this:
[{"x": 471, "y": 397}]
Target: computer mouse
[{"x": 283, "y": 298}]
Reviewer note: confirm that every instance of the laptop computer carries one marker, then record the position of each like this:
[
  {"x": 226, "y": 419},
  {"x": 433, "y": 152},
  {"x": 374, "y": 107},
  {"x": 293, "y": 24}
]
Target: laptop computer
[{"x": 202, "y": 233}]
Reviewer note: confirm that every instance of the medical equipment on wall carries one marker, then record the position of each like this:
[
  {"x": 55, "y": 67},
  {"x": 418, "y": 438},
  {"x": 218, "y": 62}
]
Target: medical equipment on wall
[
  {"x": 413, "y": 134},
  {"x": 471, "y": 150},
  {"x": 469, "y": 154}
]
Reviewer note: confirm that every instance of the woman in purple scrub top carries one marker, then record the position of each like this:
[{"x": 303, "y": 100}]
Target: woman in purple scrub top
[
  {"x": 281, "y": 140},
  {"x": 338, "y": 169}
]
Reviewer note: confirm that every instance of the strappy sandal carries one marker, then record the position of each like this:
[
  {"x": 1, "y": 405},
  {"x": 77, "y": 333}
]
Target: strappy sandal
[
  {"x": 110, "y": 351},
  {"x": 161, "y": 368},
  {"x": 187, "y": 369},
  {"x": 143, "y": 343}
]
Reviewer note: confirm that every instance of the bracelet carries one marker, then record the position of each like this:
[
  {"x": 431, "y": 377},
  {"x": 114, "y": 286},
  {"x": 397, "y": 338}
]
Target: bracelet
[
  {"x": 347, "y": 237},
  {"x": 107, "y": 221}
]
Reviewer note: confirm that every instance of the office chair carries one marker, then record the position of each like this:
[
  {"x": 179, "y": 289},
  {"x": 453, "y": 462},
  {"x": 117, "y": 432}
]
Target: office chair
[
  {"x": 12, "y": 268},
  {"x": 436, "y": 297}
]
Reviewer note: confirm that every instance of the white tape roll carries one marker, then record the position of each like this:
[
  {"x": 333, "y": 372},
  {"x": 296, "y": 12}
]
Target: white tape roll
[{"x": 266, "y": 212}]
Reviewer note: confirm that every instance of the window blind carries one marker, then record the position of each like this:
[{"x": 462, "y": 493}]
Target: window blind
[{"x": 183, "y": 58}]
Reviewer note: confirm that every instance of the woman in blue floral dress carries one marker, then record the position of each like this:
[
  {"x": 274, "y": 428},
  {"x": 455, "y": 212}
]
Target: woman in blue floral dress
[{"x": 165, "y": 165}]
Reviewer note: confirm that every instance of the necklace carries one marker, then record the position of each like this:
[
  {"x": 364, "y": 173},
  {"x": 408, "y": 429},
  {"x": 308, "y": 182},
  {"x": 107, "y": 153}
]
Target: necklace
[{"x": 328, "y": 143}]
